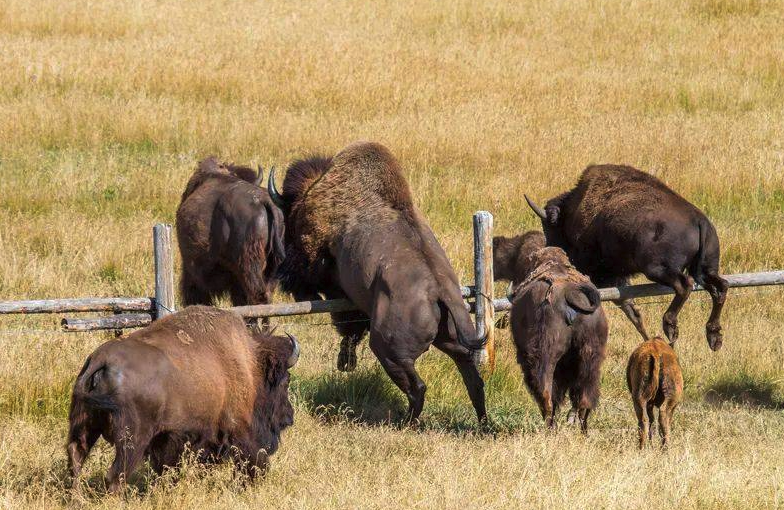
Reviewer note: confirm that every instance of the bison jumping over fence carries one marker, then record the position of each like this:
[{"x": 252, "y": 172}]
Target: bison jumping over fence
[
  {"x": 230, "y": 235},
  {"x": 197, "y": 377},
  {"x": 352, "y": 231},
  {"x": 619, "y": 221}
]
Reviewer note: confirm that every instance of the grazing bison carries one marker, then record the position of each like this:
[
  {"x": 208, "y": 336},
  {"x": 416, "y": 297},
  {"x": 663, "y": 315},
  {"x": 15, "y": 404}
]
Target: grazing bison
[
  {"x": 619, "y": 221},
  {"x": 197, "y": 377},
  {"x": 352, "y": 231},
  {"x": 230, "y": 235},
  {"x": 560, "y": 331},
  {"x": 654, "y": 378}
]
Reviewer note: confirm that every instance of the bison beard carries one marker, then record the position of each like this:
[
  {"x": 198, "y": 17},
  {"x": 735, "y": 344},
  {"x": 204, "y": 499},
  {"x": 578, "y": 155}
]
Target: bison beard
[
  {"x": 196, "y": 378},
  {"x": 619, "y": 221},
  {"x": 352, "y": 231},
  {"x": 230, "y": 236},
  {"x": 560, "y": 332}
]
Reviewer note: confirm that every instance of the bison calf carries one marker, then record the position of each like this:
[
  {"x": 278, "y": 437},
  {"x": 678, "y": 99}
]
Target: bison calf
[
  {"x": 654, "y": 379},
  {"x": 560, "y": 331},
  {"x": 512, "y": 255},
  {"x": 198, "y": 377}
]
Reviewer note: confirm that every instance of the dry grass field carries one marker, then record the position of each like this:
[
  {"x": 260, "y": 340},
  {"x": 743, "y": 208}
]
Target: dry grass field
[{"x": 107, "y": 105}]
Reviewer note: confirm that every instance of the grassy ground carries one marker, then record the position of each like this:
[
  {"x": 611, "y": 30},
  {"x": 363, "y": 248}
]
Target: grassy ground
[{"x": 106, "y": 107}]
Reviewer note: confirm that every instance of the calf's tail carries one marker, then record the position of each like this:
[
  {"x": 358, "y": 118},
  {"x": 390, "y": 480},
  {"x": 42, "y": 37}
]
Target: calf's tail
[{"x": 649, "y": 384}]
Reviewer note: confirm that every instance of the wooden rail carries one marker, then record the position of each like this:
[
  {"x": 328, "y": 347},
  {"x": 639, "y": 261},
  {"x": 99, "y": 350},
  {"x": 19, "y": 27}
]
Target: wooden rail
[
  {"x": 110, "y": 304},
  {"x": 119, "y": 321},
  {"x": 654, "y": 289}
]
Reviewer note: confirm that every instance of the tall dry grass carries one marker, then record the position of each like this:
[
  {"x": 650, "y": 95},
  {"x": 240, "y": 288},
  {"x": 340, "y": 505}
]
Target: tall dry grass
[{"x": 106, "y": 106}]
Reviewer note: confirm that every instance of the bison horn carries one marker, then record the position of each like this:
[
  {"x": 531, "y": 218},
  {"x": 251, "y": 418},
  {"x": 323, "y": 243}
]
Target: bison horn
[
  {"x": 259, "y": 176},
  {"x": 294, "y": 352},
  {"x": 273, "y": 191},
  {"x": 538, "y": 210}
]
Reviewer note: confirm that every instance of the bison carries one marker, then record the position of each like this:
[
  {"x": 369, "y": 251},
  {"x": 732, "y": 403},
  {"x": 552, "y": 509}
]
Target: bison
[
  {"x": 198, "y": 377},
  {"x": 512, "y": 255},
  {"x": 654, "y": 378},
  {"x": 353, "y": 231},
  {"x": 560, "y": 331},
  {"x": 230, "y": 235},
  {"x": 619, "y": 221}
]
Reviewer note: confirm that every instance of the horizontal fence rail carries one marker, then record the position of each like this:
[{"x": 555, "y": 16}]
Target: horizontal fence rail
[
  {"x": 654, "y": 289},
  {"x": 119, "y": 321},
  {"x": 112, "y": 304}
]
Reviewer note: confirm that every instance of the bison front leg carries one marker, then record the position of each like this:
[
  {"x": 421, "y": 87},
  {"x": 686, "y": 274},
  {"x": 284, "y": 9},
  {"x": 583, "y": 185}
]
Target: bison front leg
[{"x": 79, "y": 446}]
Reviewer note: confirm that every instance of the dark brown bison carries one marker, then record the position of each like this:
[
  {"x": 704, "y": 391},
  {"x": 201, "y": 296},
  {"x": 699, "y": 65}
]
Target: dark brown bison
[
  {"x": 230, "y": 235},
  {"x": 560, "y": 331},
  {"x": 619, "y": 221},
  {"x": 197, "y": 377},
  {"x": 512, "y": 255},
  {"x": 352, "y": 231},
  {"x": 654, "y": 378}
]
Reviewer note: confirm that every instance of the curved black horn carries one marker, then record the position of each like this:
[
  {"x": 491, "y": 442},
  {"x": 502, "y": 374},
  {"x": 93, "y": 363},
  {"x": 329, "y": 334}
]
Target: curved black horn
[
  {"x": 273, "y": 191},
  {"x": 259, "y": 176},
  {"x": 538, "y": 210},
  {"x": 294, "y": 357}
]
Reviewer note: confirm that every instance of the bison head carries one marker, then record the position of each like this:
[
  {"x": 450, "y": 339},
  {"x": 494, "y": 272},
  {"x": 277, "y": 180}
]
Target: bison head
[
  {"x": 273, "y": 412},
  {"x": 552, "y": 221}
]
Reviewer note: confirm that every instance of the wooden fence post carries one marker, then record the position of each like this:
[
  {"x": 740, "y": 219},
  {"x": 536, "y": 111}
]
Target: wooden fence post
[
  {"x": 164, "y": 270},
  {"x": 483, "y": 287}
]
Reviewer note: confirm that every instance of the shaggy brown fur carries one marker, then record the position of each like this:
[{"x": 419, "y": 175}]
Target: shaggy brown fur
[
  {"x": 511, "y": 255},
  {"x": 230, "y": 236},
  {"x": 619, "y": 221},
  {"x": 352, "y": 231},
  {"x": 654, "y": 378},
  {"x": 197, "y": 377},
  {"x": 560, "y": 331}
]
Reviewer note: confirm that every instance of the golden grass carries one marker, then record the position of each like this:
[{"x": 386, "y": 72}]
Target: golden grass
[{"x": 106, "y": 106}]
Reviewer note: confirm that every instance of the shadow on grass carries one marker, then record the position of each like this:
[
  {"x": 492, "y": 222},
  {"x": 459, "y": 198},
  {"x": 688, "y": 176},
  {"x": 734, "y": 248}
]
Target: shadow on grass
[
  {"x": 747, "y": 390},
  {"x": 367, "y": 396}
]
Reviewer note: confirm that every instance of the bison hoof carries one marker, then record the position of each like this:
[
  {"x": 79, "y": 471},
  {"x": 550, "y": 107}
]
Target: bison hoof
[
  {"x": 502, "y": 322},
  {"x": 347, "y": 358},
  {"x": 715, "y": 338},
  {"x": 671, "y": 330}
]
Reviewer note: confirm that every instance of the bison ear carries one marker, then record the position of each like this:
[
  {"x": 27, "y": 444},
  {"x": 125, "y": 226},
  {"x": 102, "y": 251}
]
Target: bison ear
[{"x": 553, "y": 213}]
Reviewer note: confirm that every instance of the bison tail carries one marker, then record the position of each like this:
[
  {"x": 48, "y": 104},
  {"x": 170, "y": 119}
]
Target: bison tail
[
  {"x": 583, "y": 298},
  {"x": 707, "y": 257},
  {"x": 650, "y": 380},
  {"x": 96, "y": 387},
  {"x": 467, "y": 335}
]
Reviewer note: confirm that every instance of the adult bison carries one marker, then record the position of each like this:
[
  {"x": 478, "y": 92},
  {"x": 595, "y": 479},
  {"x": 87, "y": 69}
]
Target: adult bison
[
  {"x": 197, "y": 377},
  {"x": 352, "y": 231},
  {"x": 230, "y": 235},
  {"x": 619, "y": 221}
]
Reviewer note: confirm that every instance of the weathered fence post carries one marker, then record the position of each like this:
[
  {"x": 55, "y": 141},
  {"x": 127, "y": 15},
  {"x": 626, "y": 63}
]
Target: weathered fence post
[
  {"x": 483, "y": 287},
  {"x": 164, "y": 270}
]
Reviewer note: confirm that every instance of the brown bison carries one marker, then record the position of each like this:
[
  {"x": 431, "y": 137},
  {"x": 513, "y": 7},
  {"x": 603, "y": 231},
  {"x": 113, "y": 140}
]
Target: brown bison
[
  {"x": 352, "y": 231},
  {"x": 230, "y": 235},
  {"x": 654, "y": 378},
  {"x": 197, "y": 377},
  {"x": 560, "y": 331},
  {"x": 512, "y": 255},
  {"x": 619, "y": 221}
]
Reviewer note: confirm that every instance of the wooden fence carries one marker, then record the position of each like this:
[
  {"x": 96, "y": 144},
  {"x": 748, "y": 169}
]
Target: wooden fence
[{"x": 134, "y": 312}]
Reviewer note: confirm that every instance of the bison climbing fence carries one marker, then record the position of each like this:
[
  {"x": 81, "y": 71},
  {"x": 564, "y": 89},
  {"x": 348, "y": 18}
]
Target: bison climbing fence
[{"x": 135, "y": 312}]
